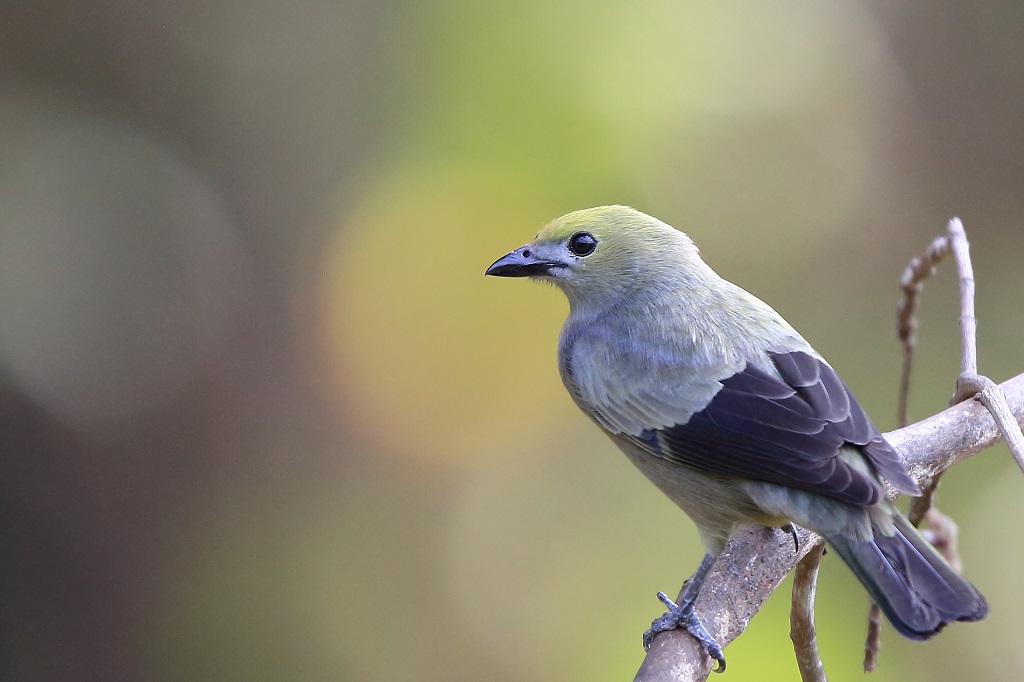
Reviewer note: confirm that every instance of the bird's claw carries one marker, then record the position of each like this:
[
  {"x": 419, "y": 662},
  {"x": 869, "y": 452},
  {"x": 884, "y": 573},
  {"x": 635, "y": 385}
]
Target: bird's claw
[
  {"x": 791, "y": 529},
  {"x": 682, "y": 616}
]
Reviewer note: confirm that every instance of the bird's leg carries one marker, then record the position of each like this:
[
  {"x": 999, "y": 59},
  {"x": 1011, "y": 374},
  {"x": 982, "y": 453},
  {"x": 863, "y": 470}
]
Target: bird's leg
[{"x": 681, "y": 615}]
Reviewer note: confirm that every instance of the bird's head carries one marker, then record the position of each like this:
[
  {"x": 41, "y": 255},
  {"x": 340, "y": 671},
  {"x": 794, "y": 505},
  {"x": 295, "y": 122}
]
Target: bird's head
[{"x": 602, "y": 253}]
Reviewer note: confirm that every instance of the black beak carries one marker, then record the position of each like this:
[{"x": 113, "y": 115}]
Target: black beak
[{"x": 522, "y": 263}]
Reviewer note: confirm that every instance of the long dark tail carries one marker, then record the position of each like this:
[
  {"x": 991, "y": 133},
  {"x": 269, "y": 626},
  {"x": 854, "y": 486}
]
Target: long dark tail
[{"x": 917, "y": 590}]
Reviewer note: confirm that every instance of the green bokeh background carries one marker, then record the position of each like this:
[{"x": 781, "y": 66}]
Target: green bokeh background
[{"x": 261, "y": 416}]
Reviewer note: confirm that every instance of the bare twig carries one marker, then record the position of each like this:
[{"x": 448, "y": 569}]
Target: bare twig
[
  {"x": 970, "y": 384},
  {"x": 958, "y": 244},
  {"x": 755, "y": 561},
  {"x": 920, "y": 505},
  {"x": 873, "y": 642},
  {"x": 801, "y": 618},
  {"x": 911, "y": 283}
]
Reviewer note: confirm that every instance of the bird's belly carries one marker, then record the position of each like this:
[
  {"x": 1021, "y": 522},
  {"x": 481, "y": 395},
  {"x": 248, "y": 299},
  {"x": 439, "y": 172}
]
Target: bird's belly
[{"x": 717, "y": 504}]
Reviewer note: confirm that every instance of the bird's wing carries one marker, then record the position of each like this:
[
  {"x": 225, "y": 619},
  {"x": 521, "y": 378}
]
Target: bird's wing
[{"x": 789, "y": 429}]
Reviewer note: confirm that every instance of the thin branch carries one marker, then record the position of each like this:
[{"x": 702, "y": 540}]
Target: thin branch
[
  {"x": 873, "y": 641},
  {"x": 970, "y": 384},
  {"x": 919, "y": 506},
  {"x": 965, "y": 275},
  {"x": 757, "y": 559},
  {"x": 911, "y": 283},
  {"x": 801, "y": 618}
]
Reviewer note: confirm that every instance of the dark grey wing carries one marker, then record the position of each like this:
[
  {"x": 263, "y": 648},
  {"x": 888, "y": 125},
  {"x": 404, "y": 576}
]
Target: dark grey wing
[{"x": 786, "y": 431}]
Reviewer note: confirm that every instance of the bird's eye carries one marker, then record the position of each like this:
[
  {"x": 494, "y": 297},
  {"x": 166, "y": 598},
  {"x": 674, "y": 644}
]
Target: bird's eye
[{"x": 582, "y": 244}]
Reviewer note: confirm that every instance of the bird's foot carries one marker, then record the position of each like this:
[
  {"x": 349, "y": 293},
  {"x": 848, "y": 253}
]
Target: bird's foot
[{"x": 682, "y": 616}]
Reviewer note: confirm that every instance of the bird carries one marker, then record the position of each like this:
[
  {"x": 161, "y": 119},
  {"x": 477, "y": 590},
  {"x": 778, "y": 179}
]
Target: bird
[{"x": 727, "y": 409}]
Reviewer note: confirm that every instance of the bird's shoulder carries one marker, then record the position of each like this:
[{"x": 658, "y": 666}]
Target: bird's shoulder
[{"x": 629, "y": 371}]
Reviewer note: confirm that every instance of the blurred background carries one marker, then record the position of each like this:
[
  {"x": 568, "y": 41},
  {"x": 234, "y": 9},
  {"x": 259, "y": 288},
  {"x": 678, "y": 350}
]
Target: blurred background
[{"x": 262, "y": 417}]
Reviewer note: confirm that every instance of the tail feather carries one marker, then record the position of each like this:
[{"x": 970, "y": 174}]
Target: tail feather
[{"x": 916, "y": 588}]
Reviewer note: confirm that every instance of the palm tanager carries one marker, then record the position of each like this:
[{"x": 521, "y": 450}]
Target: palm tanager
[{"x": 728, "y": 410}]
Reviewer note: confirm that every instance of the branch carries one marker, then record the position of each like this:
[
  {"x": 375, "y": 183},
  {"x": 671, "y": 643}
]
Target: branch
[
  {"x": 988, "y": 394},
  {"x": 970, "y": 384},
  {"x": 873, "y": 641},
  {"x": 801, "y": 618},
  {"x": 932, "y": 445},
  {"x": 917, "y": 271},
  {"x": 757, "y": 559},
  {"x": 965, "y": 275}
]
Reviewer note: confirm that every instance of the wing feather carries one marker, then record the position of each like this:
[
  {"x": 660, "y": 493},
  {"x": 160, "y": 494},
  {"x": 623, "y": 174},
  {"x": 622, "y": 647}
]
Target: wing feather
[{"x": 791, "y": 429}]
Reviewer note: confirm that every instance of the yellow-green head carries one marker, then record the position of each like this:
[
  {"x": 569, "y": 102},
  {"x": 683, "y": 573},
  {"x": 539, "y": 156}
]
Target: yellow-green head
[{"x": 599, "y": 252}]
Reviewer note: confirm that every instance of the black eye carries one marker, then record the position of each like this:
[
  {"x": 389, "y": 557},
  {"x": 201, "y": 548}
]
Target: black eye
[{"x": 582, "y": 244}]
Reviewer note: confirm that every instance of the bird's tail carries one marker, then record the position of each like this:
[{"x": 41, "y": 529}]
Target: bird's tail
[{"x": 917, "y": 590}]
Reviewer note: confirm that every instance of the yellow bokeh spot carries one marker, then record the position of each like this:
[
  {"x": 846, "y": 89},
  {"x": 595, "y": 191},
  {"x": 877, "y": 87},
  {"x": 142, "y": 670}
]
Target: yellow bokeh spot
[{"x": 428, "y": 358}]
